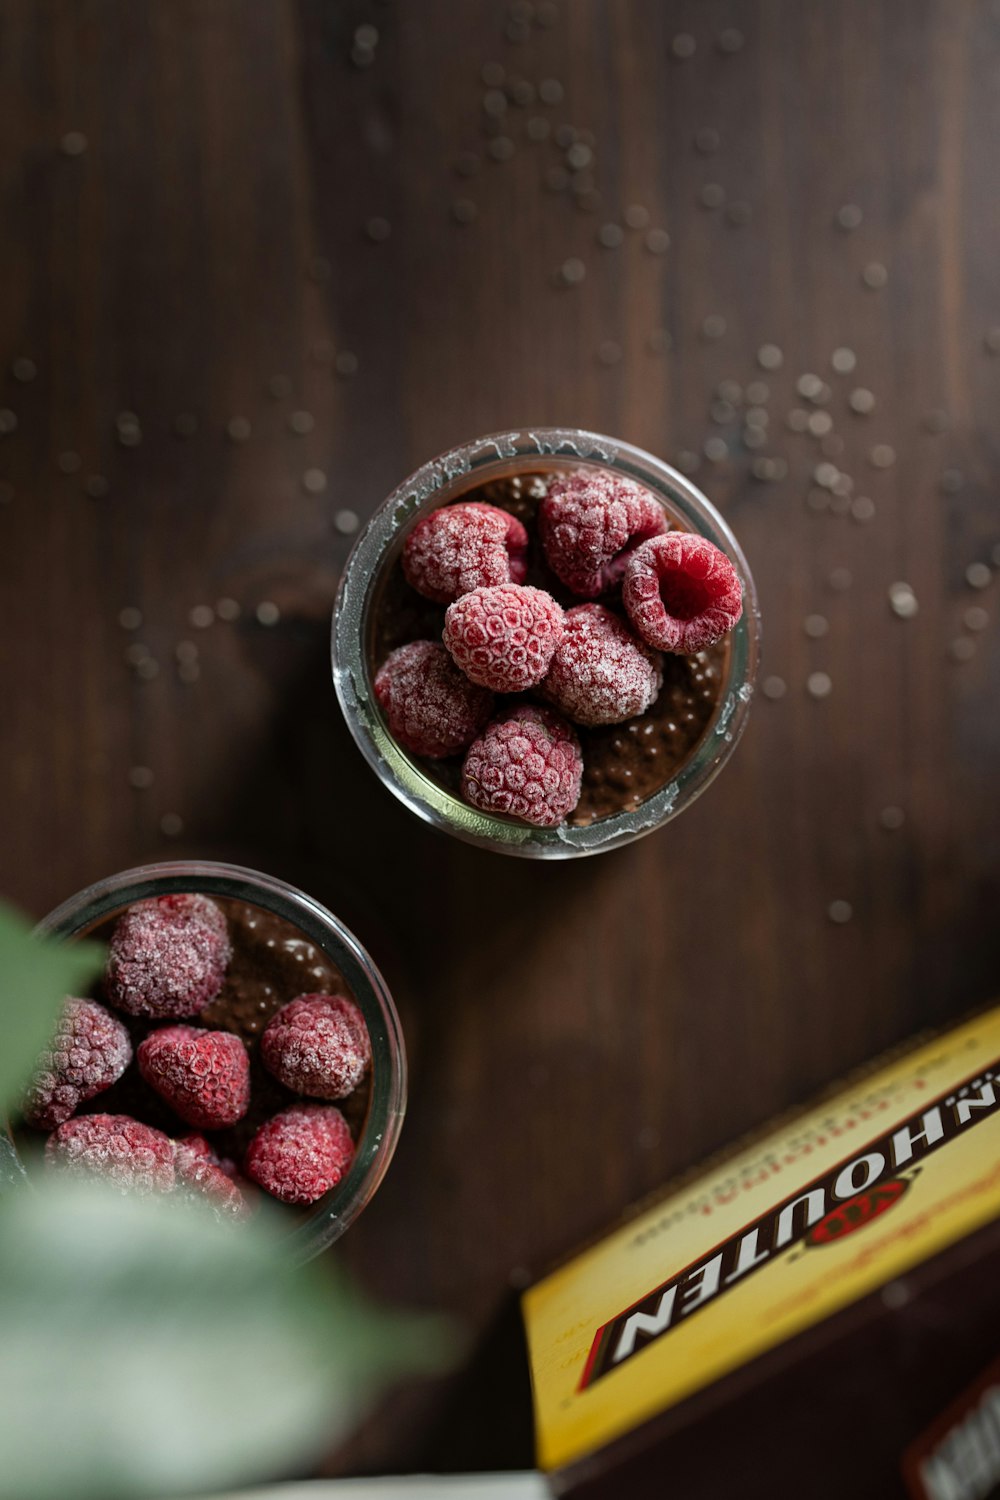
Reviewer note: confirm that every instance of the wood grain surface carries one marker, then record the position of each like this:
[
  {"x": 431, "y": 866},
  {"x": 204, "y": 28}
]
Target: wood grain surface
[{"x": 577, "y": 1033}]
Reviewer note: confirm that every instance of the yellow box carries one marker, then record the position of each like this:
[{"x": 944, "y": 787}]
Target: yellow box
[{"x": 811, "y": 1218}]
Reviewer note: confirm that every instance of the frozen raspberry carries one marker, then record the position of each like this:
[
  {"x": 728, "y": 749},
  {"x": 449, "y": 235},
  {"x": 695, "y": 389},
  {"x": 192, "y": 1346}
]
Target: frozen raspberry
[
  {"x": 168, "y": 956},
  {"x": 504, "y": 637},
  {"x": 527, "y": 765},
  {"x": 134, "y": 1157},
  {"x": 682, "y": 594},
  {"x": 432, "y": 708},
  {"x": 201, "y": 1174},
  {"x": 590, "y": 521},
  {"x": 301, "y": 1153},
  {"x": 199, "y": 1146},
  {"x": 602, "y": 673},
  {"x": 203, "y": 1075},
  {"x": 318, "y": 1045},
  {"x": 88, "y": 1053},
  {"x": 464, "y": 547}
]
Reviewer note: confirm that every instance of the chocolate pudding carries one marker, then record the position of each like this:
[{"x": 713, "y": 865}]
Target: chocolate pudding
[
  {"x": 625, "y": 763},
  {"x": 272, "y": 963}
]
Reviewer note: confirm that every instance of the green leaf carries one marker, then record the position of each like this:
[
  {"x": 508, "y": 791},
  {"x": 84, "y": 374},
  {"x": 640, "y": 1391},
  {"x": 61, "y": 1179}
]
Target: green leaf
[
  {"x": 146, "y": 1349},
  {"x": 36, "y": 975}
]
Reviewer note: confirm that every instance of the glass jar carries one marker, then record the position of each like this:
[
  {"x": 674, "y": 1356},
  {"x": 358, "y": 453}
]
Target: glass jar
[
  {"x": 326, "y": 1220},
  {"x": 378, "y": 548}
]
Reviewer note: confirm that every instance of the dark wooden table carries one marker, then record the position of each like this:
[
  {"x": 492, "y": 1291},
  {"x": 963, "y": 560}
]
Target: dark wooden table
[{"x": 216, "y": 212}]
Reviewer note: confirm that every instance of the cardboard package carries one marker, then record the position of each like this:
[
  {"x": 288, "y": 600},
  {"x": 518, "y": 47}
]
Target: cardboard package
[{"x": 817, "y": 1314}]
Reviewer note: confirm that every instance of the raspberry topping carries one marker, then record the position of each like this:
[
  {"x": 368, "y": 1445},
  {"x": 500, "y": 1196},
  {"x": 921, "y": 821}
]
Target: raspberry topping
[
  {"x": 590, "y": 521},
  {"x": 432, "y": 708},
  {"x": 318, "y": 1045},
  {"x": 198, "y": 1146},
  {"x": 203, "y": 1075},
  {"x": 504, "y": 637},
  {"x": 88, "y": 1053},
  {"x": 526, "y": 765},
  {"x": 168, "y": 956},
  {"x": 682, "y": 594},
  {"x": 134, "y": 1157},
  {"x": 464, "y": 547},
  {"x": 201, "y": 1174},
  {"x": 301, "y": 1153},
  {"x": 601, "y": 673}
]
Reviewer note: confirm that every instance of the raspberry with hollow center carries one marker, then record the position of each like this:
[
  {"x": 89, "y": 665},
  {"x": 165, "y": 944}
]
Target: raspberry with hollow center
[
  {"x": 590, "y": 522},
  {"x": 504, "y": 637},
  {"x": 203, "y": 1075},
  {"x": 201, "y": 1174},
  {"x": 681, "y": 592},
  {"x": 463, "y": 547},
  {"x": 602, "y": 673},
  {"x": 167, "y": 956},
  {"x": 525, "y": 765},
  {"x": 432, "y": 708},
  {"x": 89, "y": 1051},
  {"x": 301, "y": 1153},
  {"x": 134, "y": 1157},
  {"x": 318, "y": 1045}
]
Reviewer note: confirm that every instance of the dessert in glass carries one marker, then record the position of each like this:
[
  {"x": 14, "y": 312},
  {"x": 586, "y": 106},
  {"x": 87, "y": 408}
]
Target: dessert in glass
[
  {"x": 545, "y": 642},
  {"x": 240, "y": 1043}
]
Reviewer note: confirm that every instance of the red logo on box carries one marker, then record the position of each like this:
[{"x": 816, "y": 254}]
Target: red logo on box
[{"x": 856, "y": 1212}]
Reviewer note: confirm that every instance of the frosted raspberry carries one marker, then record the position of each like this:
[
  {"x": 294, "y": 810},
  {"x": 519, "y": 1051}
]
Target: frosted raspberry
[
  {"x": 432, "y": 708},
  {"x": 504, "y": 637},
  {"x": 589, "y": 522},
  {"x": 318, "y": 1045},
  {"x": 201, "y": 1174},
  {"x": 88, "y": 1053},
  {"x": 203, "y": 1075},
  {"x": 526, "y": 765},
  {"x": 602, "y": 673},
  {"x": 681, "y": 593},
  {"x": 301, "y": 1153},
  {"x": 198, "y": 1146},
  {"x": 168, "y": 956},
  {"x": 463, "y": 547},
  {"x": 134, "y": 1157}
]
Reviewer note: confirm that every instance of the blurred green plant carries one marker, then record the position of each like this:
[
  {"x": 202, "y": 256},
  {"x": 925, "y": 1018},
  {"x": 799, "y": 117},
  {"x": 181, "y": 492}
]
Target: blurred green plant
[
  {"x": 148, "y": 1349},
  {"x": 36, "y": 975}
]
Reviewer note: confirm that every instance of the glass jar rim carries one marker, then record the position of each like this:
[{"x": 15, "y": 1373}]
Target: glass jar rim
[
  {"x": 333, "y": 1214},
  {"x": 444, "y": 478}
]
